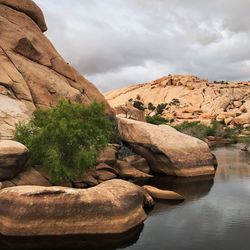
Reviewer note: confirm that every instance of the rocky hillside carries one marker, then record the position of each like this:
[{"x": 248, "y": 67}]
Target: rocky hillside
[
  {"x": 32, "y": 73},
  {"x": 188, "y": 98}
]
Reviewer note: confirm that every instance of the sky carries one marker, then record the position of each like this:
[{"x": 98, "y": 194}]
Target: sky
[{"x": 115, "y": 43}]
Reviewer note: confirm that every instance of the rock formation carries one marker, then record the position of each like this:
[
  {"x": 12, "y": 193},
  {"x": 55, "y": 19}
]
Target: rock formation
[
  {"x": 13, "y": 156},
  {"x": 188, "y": 98},
  {"x": 162, "y": 194},
  {"x": 32, "y": 73},
  {"x": 112, "y": 207},
  {"x": 167, "y": 150}
]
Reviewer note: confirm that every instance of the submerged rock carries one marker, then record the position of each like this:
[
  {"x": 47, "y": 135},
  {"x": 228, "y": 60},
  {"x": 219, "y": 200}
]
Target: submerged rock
[
  {"x": 167, "y": 150},
  {"x": 162, "y": 194},
  {"x": 112, "y": 207},
  {"x": 13, "y": 156}
]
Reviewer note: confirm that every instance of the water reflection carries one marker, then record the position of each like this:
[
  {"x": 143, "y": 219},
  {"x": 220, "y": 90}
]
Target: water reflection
[
  {"x": 214, "y": 215},
  {"x": 105, "y": 242},
  {"x": 232, "y": 162}
]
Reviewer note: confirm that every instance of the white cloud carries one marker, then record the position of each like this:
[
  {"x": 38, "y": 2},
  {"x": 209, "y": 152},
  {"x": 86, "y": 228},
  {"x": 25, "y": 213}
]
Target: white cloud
[{"x": 116, "y": 42}]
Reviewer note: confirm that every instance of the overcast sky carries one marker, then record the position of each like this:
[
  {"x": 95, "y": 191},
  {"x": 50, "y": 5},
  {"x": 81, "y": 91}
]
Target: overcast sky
[{"x": 119, "y": 42}]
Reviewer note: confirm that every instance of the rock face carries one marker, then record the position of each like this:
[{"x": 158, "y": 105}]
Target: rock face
[
  {"x": 187, "y": 98},
  {"x": 167, "y": 150},
  {"x": 30, "y": 176},
  {"x": 114, "y": 206},
  {"x": 126, "y": 170},
  {"x": 13, "y": 156},
  {"x": 32, "y": 73}
]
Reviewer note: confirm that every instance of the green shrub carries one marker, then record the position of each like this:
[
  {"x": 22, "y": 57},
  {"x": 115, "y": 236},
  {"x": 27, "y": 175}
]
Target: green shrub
[
  {"x": 194, "y": 129},
  {"x": 201, "y": 131},
  {"x": 157, "y": 120},
  {"x": 67, "y": 139}
]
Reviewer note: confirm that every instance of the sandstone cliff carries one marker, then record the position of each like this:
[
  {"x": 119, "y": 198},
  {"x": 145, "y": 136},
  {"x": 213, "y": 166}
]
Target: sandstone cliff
[
  {"x": 188, "y": 97},
  {"x": 32, "y": 73}
]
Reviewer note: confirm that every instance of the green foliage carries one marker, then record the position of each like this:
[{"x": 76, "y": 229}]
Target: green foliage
[
  {"x": 160, "y": 108},
  {"x": 198, "y": 130},
  {"x": 194, "y": 129},
  {"x": 67, "y": 139},
  {"x": 156, "y": 119}
]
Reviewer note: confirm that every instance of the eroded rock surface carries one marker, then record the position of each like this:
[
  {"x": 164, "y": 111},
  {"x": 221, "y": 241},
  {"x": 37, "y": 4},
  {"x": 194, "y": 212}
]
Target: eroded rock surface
[
  {"x": 32, "y": 73},
  {"x": 112, "y": 207},
  {"x": 167, "y": 150},
  {"x": 13, "y": 156},
  {"x": 187, "y": 98}
]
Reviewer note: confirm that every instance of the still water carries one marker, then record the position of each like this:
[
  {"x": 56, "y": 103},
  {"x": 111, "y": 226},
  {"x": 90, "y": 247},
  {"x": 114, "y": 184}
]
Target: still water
[{"x": 215, "y": 215}]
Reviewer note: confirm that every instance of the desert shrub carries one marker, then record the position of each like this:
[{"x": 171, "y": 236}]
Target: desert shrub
[
  {"x": 139, "y": 105},
  {"x": 151, "y": 106},
  {"x": 175, "y": 102},
  {"x": 201, "y": 131},
  {"x": 156, "y": 119},
  {"x": 67, "y": 139},
  {"x": 194, "y": 129},
  {"x": 160, "y": 108}
]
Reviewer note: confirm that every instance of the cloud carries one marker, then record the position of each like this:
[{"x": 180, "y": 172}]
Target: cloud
[{"x": 116, "y": 42}]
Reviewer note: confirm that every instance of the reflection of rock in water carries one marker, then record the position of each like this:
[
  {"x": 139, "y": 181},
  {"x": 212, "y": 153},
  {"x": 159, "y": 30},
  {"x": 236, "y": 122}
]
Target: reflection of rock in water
[
  {"x": 232, "y": 162},
  {"x": 189, "y": 188},
  {"x": 105, "y": 242}
]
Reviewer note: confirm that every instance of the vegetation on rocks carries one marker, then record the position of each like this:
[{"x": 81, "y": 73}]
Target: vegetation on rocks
[
  {"x": 156, "y": 119},
  {"x": 67, "y": 139},
  {"x": 198, "y": 130}
]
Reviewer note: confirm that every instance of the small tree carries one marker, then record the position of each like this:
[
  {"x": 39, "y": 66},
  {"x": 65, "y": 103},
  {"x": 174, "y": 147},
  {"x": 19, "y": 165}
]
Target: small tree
[
  {"x": 160, "y": 108},
  {"x": 151, "y": 106},
  {"x": 67, "y": 139},
  {"x": 139, "y": 105}
]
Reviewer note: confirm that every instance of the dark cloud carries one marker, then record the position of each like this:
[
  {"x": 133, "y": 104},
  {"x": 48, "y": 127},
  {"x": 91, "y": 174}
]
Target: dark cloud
[{"x": 117, "y": 42}]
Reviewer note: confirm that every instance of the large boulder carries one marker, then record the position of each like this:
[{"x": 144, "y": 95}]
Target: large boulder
[
  {"x": 242, "y": 119},
  {"x": 13, "y": 156},
  {"x": 167, "y": 150},
  {"x": 30, "y": 9},
  {"x": 32, "y": 73},
  {"x": 112, "y": 207}
]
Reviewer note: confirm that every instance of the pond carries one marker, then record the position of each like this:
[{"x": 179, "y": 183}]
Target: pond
[{"x": 215, "y": 215}]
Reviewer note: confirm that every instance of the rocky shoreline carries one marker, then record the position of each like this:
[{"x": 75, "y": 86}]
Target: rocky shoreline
[
  {"x": 106, "y": 194},
  {"x": 105, "y": 200}
]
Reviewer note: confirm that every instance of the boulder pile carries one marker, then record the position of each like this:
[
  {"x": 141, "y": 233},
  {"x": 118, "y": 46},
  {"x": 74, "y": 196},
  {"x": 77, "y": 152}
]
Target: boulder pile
[{"x": 188, "y": 98}]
